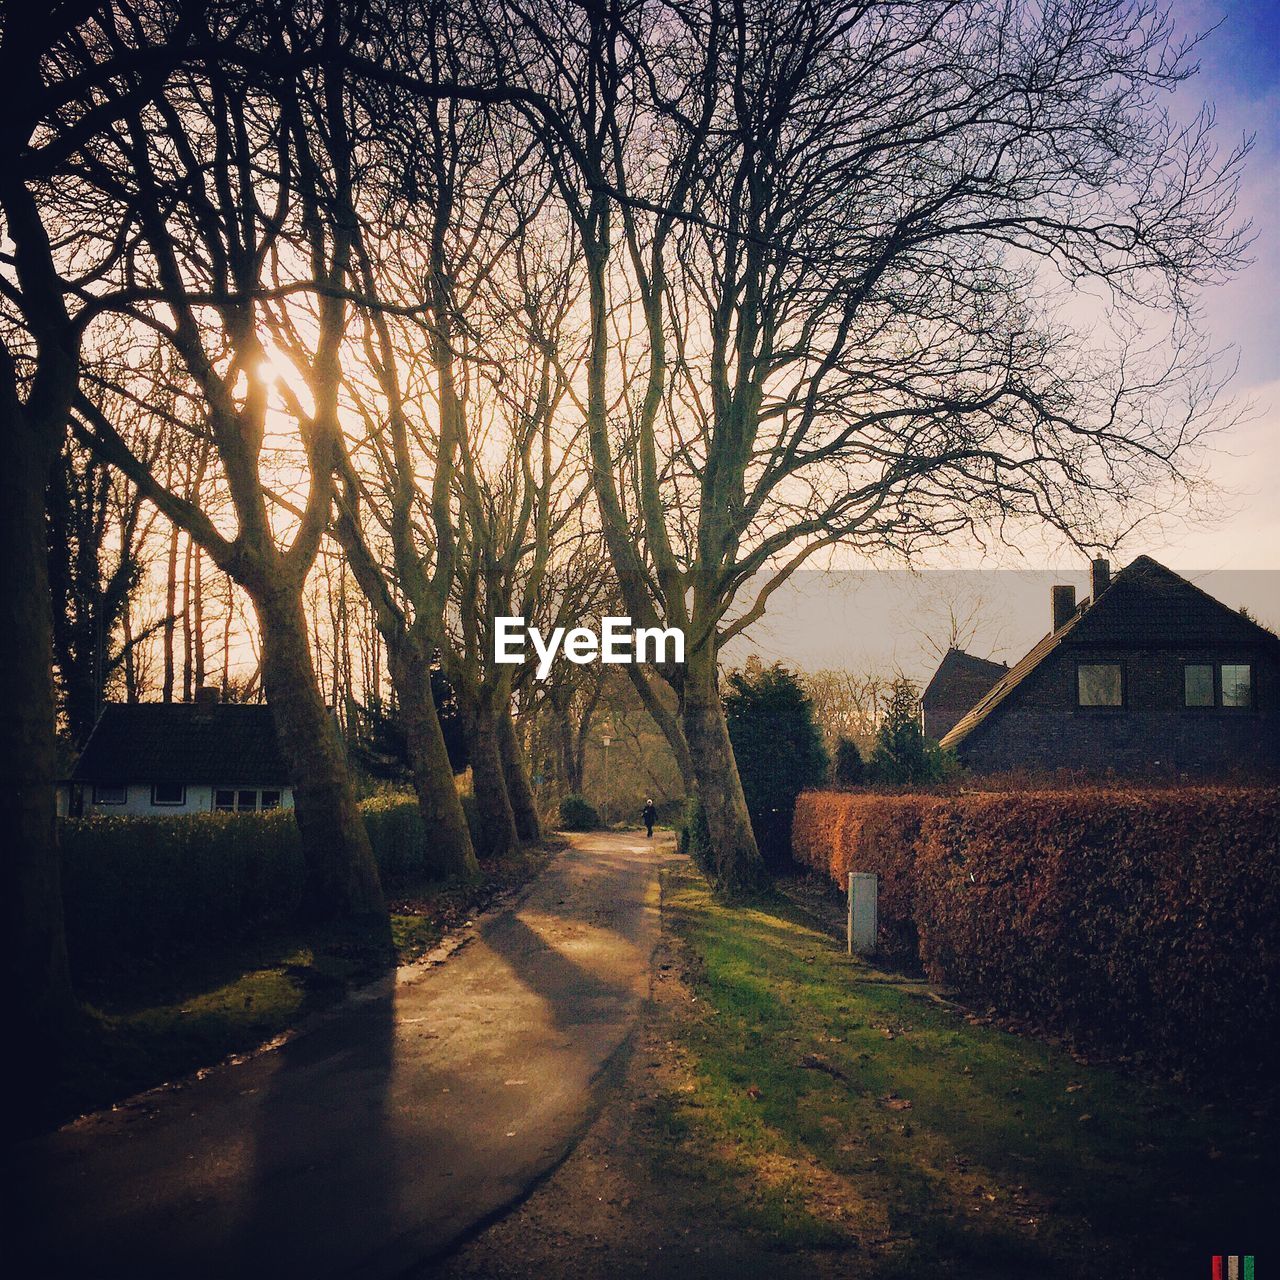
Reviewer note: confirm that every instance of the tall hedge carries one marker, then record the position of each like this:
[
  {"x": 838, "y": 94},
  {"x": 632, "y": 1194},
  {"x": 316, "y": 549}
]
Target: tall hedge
[
  {"x": 141, "y": 889},
  {"x": 137, "y": 888},
  {"x": 1138, "y": 922},
  {"x": 839, "y": 832}
]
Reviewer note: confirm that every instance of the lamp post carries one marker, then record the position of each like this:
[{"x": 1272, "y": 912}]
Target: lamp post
[{"x": 605, "y": 740}]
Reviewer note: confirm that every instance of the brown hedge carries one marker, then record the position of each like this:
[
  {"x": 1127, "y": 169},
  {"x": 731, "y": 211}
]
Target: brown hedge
[
  {"x": 838, "y": 832},
  {"x": 1137, "y": 922}
]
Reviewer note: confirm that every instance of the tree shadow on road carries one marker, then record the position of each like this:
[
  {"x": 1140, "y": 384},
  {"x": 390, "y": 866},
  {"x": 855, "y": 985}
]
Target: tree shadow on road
[
  {"x": 323, "y": 1192},
  {"x": 574, "y": 995}
]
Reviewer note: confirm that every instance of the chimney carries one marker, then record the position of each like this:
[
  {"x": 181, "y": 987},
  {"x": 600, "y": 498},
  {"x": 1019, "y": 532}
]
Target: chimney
[
  {"x": 1064, "y": 604},
  {"x": 1101, "y": 576},
  {"x": 207, "y": 696}
]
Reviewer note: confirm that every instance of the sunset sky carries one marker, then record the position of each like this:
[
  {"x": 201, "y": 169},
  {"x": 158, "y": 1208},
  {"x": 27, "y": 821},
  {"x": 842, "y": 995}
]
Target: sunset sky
[{"x": 841, "y": 620}]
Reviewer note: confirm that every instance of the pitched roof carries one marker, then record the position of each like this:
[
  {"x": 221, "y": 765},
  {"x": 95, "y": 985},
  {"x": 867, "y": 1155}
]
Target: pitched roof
[
  {"x": 149, "y": 742},
  {"x": 958, "y": 665},
  {"x": 1144, "y": 599},
  {"x": 1009, "y": 682},
  {"x": 960, "y": 680}
]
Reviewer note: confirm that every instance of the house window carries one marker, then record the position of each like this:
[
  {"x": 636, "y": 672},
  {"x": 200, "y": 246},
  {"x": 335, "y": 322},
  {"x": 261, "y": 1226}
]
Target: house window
[
  {"x": 109, "y": 795},
  {"x": 163, "y": 793},
  {"x": 238, "y": 800},
  {"x": 270, "y": 799},
  {"x": 1099, "y": 684},
  {"x": 1225, "y": 684},
  {"x": 1237, "y": 684},
  {"x": 1197, "y": 684}
]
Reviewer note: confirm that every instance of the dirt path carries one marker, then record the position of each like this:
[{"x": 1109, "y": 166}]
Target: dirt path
[{"x": 419, "y": 1110}]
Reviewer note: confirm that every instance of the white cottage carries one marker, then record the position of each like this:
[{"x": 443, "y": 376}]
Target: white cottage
[{"x": 158, "y": 759}]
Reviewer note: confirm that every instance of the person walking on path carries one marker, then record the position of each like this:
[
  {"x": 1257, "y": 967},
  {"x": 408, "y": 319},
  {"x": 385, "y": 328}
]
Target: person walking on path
[{"x": 649, "y": 814}]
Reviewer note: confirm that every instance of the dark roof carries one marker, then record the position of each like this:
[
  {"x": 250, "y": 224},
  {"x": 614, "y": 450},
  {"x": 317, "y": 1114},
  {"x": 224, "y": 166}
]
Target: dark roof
[
  {"x": 1144, "y": 600},
  {"x": 960, "y": 680},
  {"x": 182, "y": 743}
]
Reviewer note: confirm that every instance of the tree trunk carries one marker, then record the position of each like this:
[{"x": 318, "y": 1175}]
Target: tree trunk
[
  {"x": 668, "y": 725},
  {"x": 450, "y": 847},
  {"x": 130, "y": 659},
  {"x": 498, "y": 833},
  {"x": 170, "y": 615},
  {"x": 38, "y": 980},
  {"x": 341, "y": 871},
  {"x": 197, "y": 589},
  {"x": 523, "y": 805},
  {"x": 226, "y": 639},
  {"x": 568, "y": 744},
  {"x": 737, "y": 866},
  {"x": 188, "y": 671}
]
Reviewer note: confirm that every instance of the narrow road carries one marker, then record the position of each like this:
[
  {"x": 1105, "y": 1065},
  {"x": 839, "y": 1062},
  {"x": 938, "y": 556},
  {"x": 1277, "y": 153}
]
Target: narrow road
[{"x": 368, "y": 1145}]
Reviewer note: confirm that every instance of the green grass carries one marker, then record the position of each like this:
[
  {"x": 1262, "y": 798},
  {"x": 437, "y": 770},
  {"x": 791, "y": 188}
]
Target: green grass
[
  {"x": 1012, "y": 1159},
  {"x": 149, "y": 1024}
]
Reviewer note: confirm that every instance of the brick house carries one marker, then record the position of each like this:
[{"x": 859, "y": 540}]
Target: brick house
[
  {"x": 158, "y": 760},
  {"x": 1150, "y": 675},
  {"x": 960, "y": 680}
]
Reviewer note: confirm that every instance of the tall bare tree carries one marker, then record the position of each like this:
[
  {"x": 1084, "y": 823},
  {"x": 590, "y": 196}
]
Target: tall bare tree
[
  {"x": 238, "y": 181},
  {"x": 70, "y": 73},
  {"x": 459, "y": 469},
  {"x": 98, "y": 531},
  {"x": 851, "y": 232}
]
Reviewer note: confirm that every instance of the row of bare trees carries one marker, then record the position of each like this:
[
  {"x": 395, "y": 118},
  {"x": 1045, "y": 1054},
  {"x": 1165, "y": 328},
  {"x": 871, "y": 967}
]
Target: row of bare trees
[{"x": 555, "y": 310}]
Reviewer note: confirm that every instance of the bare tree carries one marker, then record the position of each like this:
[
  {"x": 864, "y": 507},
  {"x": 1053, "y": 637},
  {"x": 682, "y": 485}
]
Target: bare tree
[
  {"x": 69, "y": 75},
  {"x": 850, "y": 230},
  {"x": 847, "y": 704},
  {"x": 562, "y": 708},
  {"x": 459, "y": 469},
  {"x": 98, "y": 531},
  {"x": 239, "y": 185}
]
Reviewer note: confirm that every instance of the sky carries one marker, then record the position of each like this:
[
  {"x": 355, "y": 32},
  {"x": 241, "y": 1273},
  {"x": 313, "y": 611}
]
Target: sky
[
  {"x": 862, "y": 622},
  {"x": 1240, "y": 76},
  {"x": 891, "y": 621}
]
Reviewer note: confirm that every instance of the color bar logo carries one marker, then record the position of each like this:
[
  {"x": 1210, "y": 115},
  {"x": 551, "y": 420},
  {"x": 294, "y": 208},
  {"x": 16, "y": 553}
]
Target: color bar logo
[{"x": 1232, "y": 1266}]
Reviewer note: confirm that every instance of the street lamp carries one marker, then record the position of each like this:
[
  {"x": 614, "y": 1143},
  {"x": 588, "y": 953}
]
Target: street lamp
[{"x": 605, "y": 740}]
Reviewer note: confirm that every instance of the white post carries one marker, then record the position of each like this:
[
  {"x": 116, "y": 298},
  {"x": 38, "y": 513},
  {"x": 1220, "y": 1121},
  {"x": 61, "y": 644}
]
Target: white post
[{"x": 863, "y": 892}]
